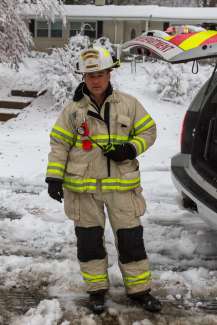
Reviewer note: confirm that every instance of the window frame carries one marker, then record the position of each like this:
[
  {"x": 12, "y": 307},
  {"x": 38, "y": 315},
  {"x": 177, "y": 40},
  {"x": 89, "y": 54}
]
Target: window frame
[
  {"x": 57, "y": 30},
  {"x": 49, "y": 25},
  {"x": 94, "y": 22},
  {"x": 37, "y": 29}
]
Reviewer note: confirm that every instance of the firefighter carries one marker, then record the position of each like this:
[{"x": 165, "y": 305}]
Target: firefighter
[{"x": 92, "y": 163}]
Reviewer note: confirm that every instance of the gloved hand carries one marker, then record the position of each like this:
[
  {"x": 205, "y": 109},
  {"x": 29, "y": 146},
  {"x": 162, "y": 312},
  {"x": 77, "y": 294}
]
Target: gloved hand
[
  {"x": 55, "y": 189},
  {"x": 121, "y": 152}
]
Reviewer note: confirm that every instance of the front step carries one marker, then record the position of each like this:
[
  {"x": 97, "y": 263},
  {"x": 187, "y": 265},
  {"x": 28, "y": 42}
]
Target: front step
[
  {"x": 7, "y": 113},
  {"x": 13, "y": 104},
  {"x": 6, "y": 116},
  {"x": 27, "y": 93}
]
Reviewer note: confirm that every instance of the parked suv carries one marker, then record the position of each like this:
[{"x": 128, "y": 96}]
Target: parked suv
[{"x": 194, "y": 169}]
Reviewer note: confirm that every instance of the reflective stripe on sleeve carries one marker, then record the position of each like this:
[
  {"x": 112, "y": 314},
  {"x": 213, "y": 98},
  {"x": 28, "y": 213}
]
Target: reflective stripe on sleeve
[
  {"x": 94, "y": 278},
  {"x": 55, "y": 168},
  {"x": 143, "y": 278},
  {"x": 60, "y": 133},
  {"x": 140, "y": 143},
  {"x": 144, "y": 124}
]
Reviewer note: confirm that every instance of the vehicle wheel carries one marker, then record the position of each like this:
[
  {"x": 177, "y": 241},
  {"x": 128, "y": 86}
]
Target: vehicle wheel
[{"x": 188, "y": 203}]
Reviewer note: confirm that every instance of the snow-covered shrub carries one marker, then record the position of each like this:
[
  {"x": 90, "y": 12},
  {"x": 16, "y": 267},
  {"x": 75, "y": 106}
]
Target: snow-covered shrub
[
  {"x": 175, "y": 83},
  {"x": 14, "y": 34},
  {"x": 58, "y": 70},
  {"x": 48, "y": 9},
  {"x": 104, "y": 42}
]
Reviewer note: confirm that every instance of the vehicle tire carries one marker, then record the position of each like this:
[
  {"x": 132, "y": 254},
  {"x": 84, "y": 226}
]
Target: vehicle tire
[{"x": 188, "y": 203}]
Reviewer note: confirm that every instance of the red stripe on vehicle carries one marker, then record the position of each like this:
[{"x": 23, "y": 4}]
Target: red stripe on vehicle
[
  {"x": 178, "y": 39},
  {"x": 212, "y": 39}
]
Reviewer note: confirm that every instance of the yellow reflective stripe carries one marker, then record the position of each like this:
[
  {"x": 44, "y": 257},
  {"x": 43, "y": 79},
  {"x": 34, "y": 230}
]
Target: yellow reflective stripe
[
  {"x": 55, "y": 168},
  {"x": 142, "y": 144},
  {"x": 82, "y": 188},
  {"x": 196, "y": 39},
  {"x": 56, "y": 172},
  {"x": 117, "y": 184},
  {"x": 143, "y": 124},
  {"x": 58, "y": 128},
  {"x": 91, "y": 278},
  {"x": 103, "y": 139},
  {"x": 119, "y": 188},
  {"x": 80, "y": 185},
  {"x": 137, "y": 279},
  {"x": 90, "y": 184},
  {"x": 55, "y": 164},
  {"x": 58, "y": 136},
  {"x": 121, "y": 181},
  {"x": 138, "y": 144},
  {"x": 62, "y": 134},
  {"x": 145, "y": 127},
  {"x": 141, "y": 121}
]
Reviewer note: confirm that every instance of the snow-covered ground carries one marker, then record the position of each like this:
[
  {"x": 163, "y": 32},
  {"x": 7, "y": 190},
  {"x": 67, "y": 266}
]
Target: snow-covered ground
[{"x": 40, "y": 283}]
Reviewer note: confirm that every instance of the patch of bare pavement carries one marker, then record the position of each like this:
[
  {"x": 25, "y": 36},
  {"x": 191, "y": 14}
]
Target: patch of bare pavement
[
  {"x": 18, "y": 300},
  {"x": 32, "y": 285}
]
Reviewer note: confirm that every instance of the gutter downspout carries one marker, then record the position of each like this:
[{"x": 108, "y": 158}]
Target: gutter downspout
[
  {"x": 147, "y": 23},
  {"x": 116, "y": 30}
]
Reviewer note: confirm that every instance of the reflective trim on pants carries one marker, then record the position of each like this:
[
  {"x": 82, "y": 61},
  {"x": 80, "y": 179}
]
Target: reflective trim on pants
[
  {"x": 143, "y": 278},
  {"x": 94, "y": 278}
]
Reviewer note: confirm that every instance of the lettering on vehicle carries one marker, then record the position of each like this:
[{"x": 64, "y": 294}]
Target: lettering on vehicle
[{"x": 161, "y": 45}]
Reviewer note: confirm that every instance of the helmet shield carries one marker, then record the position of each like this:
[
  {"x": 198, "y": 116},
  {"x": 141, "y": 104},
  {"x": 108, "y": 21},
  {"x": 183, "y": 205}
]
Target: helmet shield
[{"x": 94, "y": 60}]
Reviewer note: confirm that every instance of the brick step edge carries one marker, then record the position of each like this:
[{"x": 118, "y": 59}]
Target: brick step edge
[
  {"x": 13, "y": 105},
  {"x": 27, "y": 93},
  {"x": 5, "y": 117}
]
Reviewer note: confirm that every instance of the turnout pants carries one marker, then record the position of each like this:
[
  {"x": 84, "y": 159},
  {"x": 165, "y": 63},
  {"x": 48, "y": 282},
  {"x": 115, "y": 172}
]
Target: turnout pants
[{"x": 87, "y": 210}]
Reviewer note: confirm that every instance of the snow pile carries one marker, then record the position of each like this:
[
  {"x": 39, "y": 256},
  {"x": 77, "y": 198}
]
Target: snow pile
[
  {"x": 48, "y": 312},
  {"x": 175, "y": 83}
]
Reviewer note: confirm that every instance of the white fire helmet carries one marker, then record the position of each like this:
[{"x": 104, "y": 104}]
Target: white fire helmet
[{"x": 94, "y": 60}]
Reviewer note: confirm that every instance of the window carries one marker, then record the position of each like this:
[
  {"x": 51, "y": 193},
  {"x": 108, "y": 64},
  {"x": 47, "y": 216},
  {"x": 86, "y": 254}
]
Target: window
[
  {"x": 56, "y": 29},
  {"x": 90, "y": 29},
  {"x": 86, "y": 28},
  {"x": 42, "y": 28},
  {"x": 32, "y": 27},
  {"x": 75, "y": 28}
]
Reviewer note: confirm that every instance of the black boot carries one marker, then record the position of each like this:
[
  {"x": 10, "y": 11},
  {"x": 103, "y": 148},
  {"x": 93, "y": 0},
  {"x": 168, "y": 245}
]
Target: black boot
[
  {"x": 147, "y": 301},
  {"x": 97, "y": 301}
]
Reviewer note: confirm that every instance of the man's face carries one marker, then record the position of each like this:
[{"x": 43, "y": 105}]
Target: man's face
[{"x": 97, "y": 82}]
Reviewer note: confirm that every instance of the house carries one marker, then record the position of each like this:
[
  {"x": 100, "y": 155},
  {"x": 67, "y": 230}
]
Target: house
[{"x": 118, "y": 23}]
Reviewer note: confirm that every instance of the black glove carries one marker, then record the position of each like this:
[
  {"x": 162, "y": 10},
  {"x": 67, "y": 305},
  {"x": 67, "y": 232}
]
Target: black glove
[
  {"x": 121, "y": 152},
  {"x": 55, "y": 189}
]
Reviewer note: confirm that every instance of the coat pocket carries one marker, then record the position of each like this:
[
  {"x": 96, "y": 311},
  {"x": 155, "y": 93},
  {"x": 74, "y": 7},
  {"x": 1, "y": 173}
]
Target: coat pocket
[
  {"x": 74, "y": 169},
  {"x": 123, "y": 125},
  {"x": 72, "y": 204},
  {"x": 138, "y": 202}
]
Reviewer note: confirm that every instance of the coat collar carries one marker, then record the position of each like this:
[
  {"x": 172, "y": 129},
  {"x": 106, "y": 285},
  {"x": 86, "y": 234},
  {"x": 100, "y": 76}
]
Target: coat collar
[{"x": 82, "y": 94}]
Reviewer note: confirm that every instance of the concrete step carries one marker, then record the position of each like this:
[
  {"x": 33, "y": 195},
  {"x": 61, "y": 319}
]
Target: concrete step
[
  {"x": 8, "y": 113},
  {"x": 10, "y": 110},
  {"x": 27, "y": 93},
  {"x": 13, "y": 104},
  {"x": 6, "y": 116}
]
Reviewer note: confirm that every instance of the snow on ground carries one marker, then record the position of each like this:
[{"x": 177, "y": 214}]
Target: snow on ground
[{"x": 40, "y": 281}]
